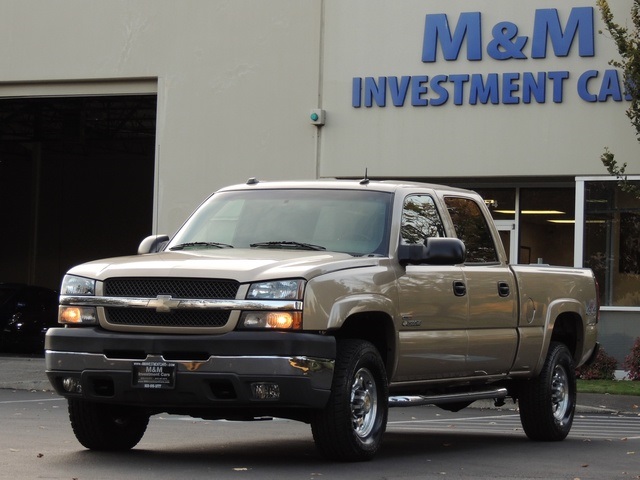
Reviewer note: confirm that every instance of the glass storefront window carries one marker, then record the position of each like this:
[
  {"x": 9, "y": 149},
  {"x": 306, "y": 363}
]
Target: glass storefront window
[
  {"x": 502, "y": 205},
  {"x": 612, "y": 241},
  {"x": 501, "y": 202},
  {"x": 547, "y": 221}
]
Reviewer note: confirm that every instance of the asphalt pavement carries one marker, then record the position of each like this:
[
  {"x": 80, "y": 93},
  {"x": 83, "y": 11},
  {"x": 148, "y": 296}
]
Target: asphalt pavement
[{"x": 27, "y": 372}]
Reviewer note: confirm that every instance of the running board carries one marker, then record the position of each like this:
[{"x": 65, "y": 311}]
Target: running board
[{"x": 417, "y": 400}]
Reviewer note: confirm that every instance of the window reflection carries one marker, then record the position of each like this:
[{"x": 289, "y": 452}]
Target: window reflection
[
  {"x": 612, "y": 242},
  {"x": 471, "y": 227},
  {"x": 420, "y": 220}
]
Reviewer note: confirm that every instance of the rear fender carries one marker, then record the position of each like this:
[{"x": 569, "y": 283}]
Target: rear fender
[{"x": 563, "y": 307}]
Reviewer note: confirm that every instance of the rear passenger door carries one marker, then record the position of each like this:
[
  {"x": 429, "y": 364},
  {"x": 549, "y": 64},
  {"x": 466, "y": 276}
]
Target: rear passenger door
[
  {"x": 491, "y": 290},
  {"x": 433, "y": 330}
]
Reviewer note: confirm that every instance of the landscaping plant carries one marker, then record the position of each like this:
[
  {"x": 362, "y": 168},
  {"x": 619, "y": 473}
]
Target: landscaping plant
[
  {"x": 632, "y": 361},
  {"x": 604, "y": 368}
]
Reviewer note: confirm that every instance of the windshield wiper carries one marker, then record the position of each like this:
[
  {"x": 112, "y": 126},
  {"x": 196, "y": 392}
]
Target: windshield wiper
[
  {"x": 287, "y": 244},
  {"x": 182, "y": 246}
]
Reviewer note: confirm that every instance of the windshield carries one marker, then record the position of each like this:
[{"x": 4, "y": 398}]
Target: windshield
[{"x": 349, "y": 221}]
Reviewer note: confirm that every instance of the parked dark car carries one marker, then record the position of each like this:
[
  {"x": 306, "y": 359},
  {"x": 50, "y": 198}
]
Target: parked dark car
[{"x": 26, "y": 312}]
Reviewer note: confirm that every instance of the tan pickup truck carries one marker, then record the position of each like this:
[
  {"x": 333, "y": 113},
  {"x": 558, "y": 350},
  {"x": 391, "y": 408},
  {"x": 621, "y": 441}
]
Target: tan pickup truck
[{"x": 325, "y": 302}]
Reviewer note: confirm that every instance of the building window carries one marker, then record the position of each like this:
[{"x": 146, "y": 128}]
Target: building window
[
  {"x": 501, "y": 202},
  {"x": 612, "y": 241},
  {"x": 547, "y": 220},
  {"x": 543, "y": 220},
  {"x": 502, "y": 205}
]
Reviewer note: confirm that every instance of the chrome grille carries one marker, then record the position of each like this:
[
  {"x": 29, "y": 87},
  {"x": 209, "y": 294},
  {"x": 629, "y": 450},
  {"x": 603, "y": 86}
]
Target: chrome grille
[{"x": 176, "y": 287}]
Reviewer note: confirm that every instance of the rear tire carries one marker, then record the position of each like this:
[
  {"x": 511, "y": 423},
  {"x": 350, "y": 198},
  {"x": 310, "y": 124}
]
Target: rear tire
[
  {"x": 106, "y": 427},
  {"x": 548, "y": 402},
  {"x": 351, "y": 426}
]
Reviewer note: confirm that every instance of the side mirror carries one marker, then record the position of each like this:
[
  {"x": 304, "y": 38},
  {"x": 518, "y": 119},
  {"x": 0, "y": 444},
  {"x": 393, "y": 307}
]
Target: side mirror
[
  {"x": 434, "y": 251},
  {"x": 153, "y": 244}
]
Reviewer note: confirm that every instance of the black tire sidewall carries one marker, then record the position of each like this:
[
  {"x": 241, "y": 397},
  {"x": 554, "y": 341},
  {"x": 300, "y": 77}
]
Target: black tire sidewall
[
  {"x": 106, "y": 427},
  {"x": 536, "y": 411},
  {"x": 332, "y": 427}
]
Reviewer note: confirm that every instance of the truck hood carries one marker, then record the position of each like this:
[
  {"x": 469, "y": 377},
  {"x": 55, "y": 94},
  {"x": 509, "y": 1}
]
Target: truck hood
[{"x": 243, "y": 265}]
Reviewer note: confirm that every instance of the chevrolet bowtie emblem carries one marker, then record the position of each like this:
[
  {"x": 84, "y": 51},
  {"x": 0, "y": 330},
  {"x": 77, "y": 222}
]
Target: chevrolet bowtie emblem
[{"x": 163, "y": 303}]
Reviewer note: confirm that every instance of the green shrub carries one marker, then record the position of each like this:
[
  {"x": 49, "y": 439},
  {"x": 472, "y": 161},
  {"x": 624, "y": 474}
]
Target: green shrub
[
  {"x": 604, "y": 368},
  {"x": 632, "y": 361}
]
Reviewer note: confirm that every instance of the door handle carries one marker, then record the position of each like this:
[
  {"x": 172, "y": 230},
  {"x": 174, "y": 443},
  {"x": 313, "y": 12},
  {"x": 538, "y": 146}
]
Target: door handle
[
  {"x": 459, "y": 288},
  {"x": 503, "y": 289}
]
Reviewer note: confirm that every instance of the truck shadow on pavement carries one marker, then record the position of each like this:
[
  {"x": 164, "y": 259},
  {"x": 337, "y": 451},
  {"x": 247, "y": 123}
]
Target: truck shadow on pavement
[
  {"x": 302, "y": 452},
  {"x": 403, "y": 455}
]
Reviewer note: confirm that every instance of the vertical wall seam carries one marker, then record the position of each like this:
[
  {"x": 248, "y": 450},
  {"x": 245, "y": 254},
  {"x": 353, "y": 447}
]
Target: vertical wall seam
[{"x": 318, "y": 146}]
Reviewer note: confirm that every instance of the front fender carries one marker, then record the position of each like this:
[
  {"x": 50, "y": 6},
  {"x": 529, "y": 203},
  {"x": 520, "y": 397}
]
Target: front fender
[
  {"x": 330, "y": 299},
  {"x": 361, "y": 303}
]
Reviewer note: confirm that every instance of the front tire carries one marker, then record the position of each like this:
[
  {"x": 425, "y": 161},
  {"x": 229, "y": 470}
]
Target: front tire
[
  {"x": 106, "y": 427},
  {"x": 548, "y": 402},
  {"x": 351, "y": 426}
]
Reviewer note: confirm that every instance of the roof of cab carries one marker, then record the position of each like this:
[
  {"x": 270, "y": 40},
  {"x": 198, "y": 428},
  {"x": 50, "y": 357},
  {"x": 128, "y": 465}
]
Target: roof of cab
[{"x": 364, "y": 184}]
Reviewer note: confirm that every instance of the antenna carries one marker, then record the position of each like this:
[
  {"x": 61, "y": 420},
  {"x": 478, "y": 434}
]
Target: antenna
[{"x": 365, "y": 180}]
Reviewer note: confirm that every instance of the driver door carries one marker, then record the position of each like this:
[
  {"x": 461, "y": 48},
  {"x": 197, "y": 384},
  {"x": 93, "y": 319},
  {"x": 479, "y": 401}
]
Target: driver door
[{"x": 433, "y": 304}]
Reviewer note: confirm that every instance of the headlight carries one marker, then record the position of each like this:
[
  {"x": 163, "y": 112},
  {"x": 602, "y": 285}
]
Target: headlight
[
  {"x": 73, "y": 285},
  {"x": 71, "y": 315},
  {"x": 271, "y": 319},
  {"x": 277, "y": 290}
]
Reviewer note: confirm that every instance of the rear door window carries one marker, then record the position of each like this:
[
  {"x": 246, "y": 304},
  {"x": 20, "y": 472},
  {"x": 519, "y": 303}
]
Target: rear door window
[{"x": 472, "y": 228}]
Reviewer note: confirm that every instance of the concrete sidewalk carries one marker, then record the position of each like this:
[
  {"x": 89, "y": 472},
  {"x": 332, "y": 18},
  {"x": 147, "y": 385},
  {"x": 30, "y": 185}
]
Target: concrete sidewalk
[{"x": 24, "y": 372}]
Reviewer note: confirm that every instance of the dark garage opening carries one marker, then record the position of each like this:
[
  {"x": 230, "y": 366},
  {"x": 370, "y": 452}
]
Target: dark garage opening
[{"x": 76, "y": 182}]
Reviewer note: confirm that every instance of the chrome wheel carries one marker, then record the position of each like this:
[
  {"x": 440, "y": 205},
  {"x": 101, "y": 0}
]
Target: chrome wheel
[
  {"x": 560, "y": 394},
  {"x": 364, "y": 403}
]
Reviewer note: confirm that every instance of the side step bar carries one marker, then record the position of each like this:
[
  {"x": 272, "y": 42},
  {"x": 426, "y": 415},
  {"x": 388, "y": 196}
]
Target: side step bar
[{"x": 417, "y": 400}]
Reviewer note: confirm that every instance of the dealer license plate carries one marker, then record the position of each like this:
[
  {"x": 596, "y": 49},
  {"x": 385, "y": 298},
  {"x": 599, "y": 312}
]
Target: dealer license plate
[{"x": 154, "y": 375}]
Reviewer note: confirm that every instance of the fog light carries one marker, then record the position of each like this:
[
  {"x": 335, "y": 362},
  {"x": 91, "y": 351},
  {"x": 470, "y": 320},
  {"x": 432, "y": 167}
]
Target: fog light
[
  {"x": 71, "y": 385},
  {"x": 265, "y": 391}
]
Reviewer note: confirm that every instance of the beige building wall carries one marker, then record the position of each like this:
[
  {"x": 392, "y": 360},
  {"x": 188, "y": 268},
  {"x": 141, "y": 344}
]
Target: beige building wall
[
  {"x": 236, "y": 81},
  {"x": 378, "y": 38}
]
